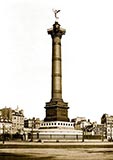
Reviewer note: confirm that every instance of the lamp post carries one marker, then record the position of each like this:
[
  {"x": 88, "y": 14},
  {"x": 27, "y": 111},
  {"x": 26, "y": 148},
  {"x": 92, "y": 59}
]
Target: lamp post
[
  {"x": 33, "y": 120},
  {"x": 102, "y": 132},
  {"x": 83, "y": 129},
  {"x": 111, "y": 132},
  {"x": 3, "y": 133}
]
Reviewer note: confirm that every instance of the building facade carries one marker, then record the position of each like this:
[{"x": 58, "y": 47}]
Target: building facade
[
  {"x": 107, "y": 121},
  {"x": 13, "y": 119},
  {"x": 5, "y": 127},
  {"x": 81, "y": 122},
  {"x": 6, "y": 114},
  {"x": 32, "y": 123},
  {"x": 17, "y": 121}
]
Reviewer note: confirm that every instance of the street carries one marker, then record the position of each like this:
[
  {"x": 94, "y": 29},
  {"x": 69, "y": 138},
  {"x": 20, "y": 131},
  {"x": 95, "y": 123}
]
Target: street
[{"x": 32, "y": 151}]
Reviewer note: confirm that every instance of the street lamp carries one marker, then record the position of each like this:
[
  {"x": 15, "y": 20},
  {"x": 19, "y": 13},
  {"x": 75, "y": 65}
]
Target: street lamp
[
  {"x": 33, "y": 121},
  {"x": 111, "y": 131},
  {"x": 3, "y": 133},
  {"x": 83, "y": 129},
  {"x": 102, "y": 132}
]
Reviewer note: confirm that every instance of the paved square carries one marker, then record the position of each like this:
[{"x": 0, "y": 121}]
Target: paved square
[{"x": 56, "y": 154}]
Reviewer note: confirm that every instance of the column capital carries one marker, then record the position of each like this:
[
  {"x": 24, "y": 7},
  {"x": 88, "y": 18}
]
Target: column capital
[{"x": 56, "y": 31}]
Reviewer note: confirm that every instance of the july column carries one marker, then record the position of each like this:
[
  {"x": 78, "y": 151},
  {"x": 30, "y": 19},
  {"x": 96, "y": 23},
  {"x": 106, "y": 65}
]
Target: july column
[{"x": 56, "y": 33}]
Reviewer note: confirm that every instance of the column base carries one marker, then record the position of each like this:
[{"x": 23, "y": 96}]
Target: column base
[{"x": 56, "y": 110}]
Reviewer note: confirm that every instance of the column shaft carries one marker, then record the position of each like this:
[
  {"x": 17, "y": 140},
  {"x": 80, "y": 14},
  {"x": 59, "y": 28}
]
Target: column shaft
[{"x": 56, "y": 68}]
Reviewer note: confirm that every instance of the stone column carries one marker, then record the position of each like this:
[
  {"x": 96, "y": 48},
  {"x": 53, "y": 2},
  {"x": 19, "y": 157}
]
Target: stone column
[
  {"x": 56, "y": 33},
  {"x": 56, "y": 109}
]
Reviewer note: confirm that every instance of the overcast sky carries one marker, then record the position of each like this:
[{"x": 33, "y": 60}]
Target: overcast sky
[{"x": 87, "y": 56}]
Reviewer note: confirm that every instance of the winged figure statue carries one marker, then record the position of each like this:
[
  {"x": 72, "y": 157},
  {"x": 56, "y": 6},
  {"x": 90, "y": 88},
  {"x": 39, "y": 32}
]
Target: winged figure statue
[{"x": 56, "y": 12}]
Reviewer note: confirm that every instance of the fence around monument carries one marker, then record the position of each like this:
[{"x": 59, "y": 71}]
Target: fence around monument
[{"x": 59, "y": 137}]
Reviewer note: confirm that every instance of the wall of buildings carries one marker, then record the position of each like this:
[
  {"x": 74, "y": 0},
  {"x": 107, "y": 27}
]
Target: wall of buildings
[
  {"x": 13, "y": 119},
  {"x": 13, "y": 122},
  {"x": 107, "y": 121}
]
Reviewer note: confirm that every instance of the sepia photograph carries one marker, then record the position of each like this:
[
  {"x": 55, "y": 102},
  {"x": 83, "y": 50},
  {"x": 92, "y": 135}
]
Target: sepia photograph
[{"x": 56, "y": 80}]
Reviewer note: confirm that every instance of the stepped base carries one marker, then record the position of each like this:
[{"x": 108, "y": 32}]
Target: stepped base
[{"x": 58, "y": 130}]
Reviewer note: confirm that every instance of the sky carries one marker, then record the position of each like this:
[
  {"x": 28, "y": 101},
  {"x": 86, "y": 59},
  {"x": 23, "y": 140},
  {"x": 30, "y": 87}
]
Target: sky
[{"x": 87, "y": 56}]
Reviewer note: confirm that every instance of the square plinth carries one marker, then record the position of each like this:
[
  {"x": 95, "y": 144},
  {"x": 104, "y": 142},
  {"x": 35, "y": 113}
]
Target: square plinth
[{"x": 56, "y": 111}]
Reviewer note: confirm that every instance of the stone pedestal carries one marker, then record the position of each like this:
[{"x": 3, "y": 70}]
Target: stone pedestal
[
  {"x": 59, "y": 131},
  {"x": 56, "y": 111}
]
